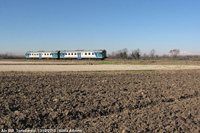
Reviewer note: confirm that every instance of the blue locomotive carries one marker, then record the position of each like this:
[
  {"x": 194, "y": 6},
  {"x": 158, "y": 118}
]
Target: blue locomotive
[{"x": 67, "y": 54}]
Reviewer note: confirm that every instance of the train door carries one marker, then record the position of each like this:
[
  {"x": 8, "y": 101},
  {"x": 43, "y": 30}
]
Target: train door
[{"x": 79, "y": 56}]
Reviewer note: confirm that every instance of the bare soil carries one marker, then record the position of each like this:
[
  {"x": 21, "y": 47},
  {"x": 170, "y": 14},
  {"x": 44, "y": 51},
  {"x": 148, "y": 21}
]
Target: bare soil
[{"x": 161, "y": 101}]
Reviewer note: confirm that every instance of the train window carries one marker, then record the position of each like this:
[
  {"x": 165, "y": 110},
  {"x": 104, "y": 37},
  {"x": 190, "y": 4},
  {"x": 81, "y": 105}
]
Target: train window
[
  {"x": 74, "y": 53},
  {"x": 45, "y": 54},
  {"x": 68, "y": 53},
  {"x": 85, "y": 53},
  {"x": 92, "y": 53},
  {"x": 37, "y": 54},
  {"x": 71, "y": 53},
  {"x": 88, "y": 53}
]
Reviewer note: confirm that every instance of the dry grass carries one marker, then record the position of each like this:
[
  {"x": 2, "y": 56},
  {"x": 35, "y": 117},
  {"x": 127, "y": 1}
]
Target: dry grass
[
  {"x": 195, "y": 61},
  {"x": 93, "y": 67}
]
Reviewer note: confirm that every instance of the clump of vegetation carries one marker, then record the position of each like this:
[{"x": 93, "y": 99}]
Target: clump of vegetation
[
  {"x": 136, "y": 54},
  {"x": 174, "y": 52},
  {"x": 124, "y": 53},
  {"x": 11, "y": 56}
]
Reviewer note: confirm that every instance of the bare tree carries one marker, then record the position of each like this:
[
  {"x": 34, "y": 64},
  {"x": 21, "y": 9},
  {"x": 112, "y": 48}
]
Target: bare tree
[
  {"x": 145, "y": 55},
  {"x": 152, "y": 53},
  {"x": 136, "y": 54},
  {"x": 112, "y": 55},
  {"x": 174, "y": 52},
  {"x": 124, "y": 53}
]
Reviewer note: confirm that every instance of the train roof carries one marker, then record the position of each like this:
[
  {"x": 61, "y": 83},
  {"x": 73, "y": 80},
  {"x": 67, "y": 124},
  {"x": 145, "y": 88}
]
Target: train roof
[{"x": 100, "y": 50}]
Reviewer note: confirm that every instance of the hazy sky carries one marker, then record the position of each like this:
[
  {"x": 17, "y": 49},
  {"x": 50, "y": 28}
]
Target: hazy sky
[{"x": 99, "y": 24}]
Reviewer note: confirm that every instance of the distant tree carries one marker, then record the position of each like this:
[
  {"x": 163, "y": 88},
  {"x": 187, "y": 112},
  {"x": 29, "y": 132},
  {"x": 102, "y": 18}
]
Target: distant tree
[
  {"x": 117, "y": 54},
  {"x": 145, "y": 55},
  {"x": 136, "y": 54},
  {"x": 152, "y": 53},
  {"x": 124, "y": 53},
  {"x": 112, "y": 55},
  {"x": 157, "y": 56},
  {"x": 174, "y": 52}
]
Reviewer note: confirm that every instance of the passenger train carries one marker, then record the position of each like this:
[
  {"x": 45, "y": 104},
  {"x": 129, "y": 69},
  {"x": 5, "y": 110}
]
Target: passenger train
[{"x": 67, "y": 54}]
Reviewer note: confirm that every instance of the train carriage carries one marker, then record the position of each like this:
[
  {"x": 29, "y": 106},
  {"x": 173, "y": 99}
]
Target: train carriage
[
  {"x": 41, "y": 55},
  {"x": 67, "y": 54},
  {"x": 86, "y": 54}
]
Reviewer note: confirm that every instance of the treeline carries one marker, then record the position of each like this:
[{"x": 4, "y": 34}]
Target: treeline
[
  {"x": 11, "y": 56},
  {"x": 137, "y": 54}
]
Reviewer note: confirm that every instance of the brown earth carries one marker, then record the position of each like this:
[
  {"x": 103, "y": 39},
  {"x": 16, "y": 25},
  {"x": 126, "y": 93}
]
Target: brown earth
[{"x": 141, "y": 101}]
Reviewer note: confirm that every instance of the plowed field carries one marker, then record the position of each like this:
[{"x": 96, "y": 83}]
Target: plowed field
[{"x": 141, "y": 101}]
